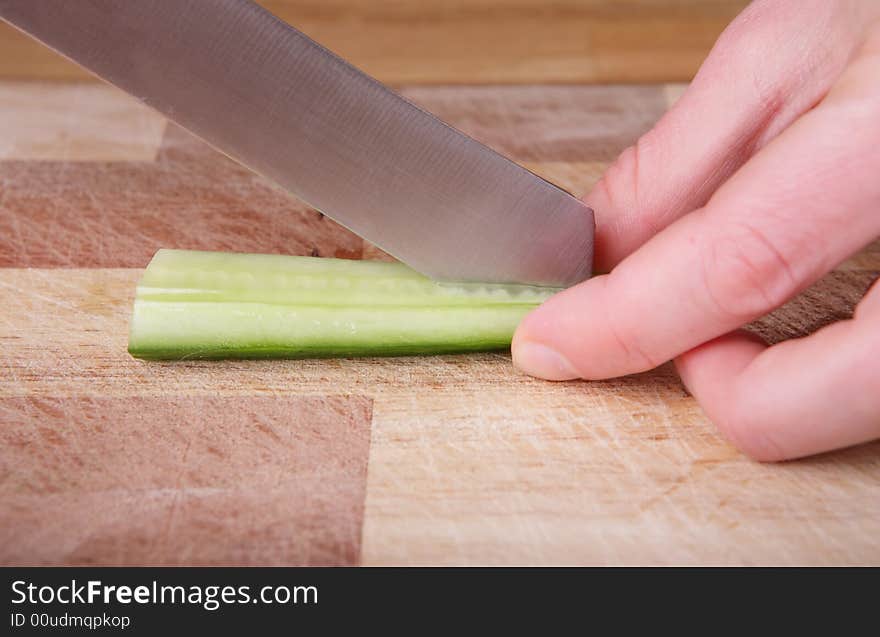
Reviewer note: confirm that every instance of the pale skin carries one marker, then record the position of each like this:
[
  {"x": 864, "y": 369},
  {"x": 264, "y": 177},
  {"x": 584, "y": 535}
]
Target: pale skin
[{"x": 762, "y": 178}]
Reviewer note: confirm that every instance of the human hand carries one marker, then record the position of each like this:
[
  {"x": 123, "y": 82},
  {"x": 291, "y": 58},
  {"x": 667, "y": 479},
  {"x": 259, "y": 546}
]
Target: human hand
[{"x": 760, "y": 180}]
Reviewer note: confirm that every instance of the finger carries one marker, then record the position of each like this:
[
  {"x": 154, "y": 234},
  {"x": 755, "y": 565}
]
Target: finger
[
  {"x": 798, "y": 208},
  {"x": 772, "y": 64},
  {"x": 797, "y": 398}
]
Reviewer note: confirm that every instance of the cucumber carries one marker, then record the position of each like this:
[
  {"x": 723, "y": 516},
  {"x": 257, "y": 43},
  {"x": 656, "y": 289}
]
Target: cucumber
[{"x": 210, "y": 305}]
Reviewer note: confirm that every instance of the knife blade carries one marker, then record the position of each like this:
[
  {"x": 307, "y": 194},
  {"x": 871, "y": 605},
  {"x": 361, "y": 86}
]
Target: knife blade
[{"x": 266, "y": 95}]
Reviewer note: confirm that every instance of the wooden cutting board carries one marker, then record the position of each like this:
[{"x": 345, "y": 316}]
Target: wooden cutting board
[{"x": 437, "y": 460}]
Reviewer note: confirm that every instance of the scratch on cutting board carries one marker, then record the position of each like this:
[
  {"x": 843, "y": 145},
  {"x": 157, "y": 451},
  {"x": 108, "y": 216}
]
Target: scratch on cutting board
[{"x": 166, "y": 528}]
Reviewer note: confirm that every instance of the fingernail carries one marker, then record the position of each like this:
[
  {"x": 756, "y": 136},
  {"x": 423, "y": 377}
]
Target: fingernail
[{"x": 539, "y": 360}]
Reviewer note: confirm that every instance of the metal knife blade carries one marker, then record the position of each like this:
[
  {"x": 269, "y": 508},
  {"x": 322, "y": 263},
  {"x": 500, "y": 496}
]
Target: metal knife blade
[{"x": 282, "y": 105}]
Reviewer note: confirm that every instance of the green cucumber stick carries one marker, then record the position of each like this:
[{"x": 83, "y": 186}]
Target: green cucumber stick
[{"x": 193, "y": 304}]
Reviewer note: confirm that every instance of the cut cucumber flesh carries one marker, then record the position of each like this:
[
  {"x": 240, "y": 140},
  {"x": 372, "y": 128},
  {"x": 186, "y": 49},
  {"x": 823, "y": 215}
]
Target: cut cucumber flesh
[{"x": 219, "y": 305}]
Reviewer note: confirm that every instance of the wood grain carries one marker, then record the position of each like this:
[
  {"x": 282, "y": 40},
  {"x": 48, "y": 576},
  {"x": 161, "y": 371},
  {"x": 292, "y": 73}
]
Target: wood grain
[
  {"x": 97, "y": 213},
  {"x": 622, "y": 472},
  {"x": 470, "y": 462},
  {"x": 110, "y": 214},
  {"x": 103, "y": 456},
  {"x": 84, "y": 122},
  {"x": 478, "y": 41},
  {"x": 183, "y": 480},
  {"x": 560, "y": 124}
]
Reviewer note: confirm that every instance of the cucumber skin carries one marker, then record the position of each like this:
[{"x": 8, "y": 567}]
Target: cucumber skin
[
  {"x": 288, "y": 352},
  {"x": 175, "y": 330},
  {"x": 280, "y": 353},
  {"x": 175, "y": 320}
]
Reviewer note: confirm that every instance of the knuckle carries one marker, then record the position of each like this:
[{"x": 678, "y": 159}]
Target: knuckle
[
  {"x": 753, "y": 30},
  {"x": 745, "y": 275},
  {"x": 628, "y": 341},
  {"x": 620, "y": 181},
  {"x": 639, "y": 358},
  {"x": 626, "y": 184},
  {"x": 764, "y": 30}
]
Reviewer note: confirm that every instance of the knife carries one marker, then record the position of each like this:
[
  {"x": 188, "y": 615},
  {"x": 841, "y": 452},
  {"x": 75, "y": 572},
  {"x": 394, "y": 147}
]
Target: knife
[{"x": 266, "y": 95}]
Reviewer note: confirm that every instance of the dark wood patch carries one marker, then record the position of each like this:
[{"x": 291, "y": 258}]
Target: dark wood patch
[
  {"x": 117, "y": 214},
  {"x": 183, "y": 480},
  {"x": 832, "y": 298}
]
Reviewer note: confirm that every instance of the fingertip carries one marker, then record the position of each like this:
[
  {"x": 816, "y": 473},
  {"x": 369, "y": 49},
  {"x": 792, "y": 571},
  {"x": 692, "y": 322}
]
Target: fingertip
[
  {"x": 532, "y": 351},
  {"x": 582, "y": 327},
  {"x": 540, "y": 361}
]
